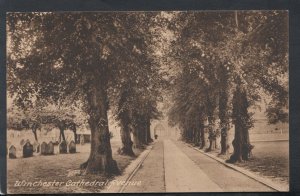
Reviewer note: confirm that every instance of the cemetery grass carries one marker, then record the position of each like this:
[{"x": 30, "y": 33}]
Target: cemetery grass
[{"x": 58, "y": 167}]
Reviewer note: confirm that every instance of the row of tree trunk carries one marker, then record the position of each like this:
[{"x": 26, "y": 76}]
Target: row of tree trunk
[
  {"x": 62, "y": 127},
  {"x": 141, "y": 135},
  {"x": 241, "y": 119}
]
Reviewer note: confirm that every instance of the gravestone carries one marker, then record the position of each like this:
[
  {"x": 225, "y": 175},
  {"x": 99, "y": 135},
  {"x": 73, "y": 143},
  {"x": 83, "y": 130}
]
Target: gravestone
[
  {"x": 44, "y": 148},
  {"x": 27, "y": 150},
  {"x": 50, "y": 148},
  {"x": 72, "y": 147},
  {"x": 81, "y": 139},
  {"x": 12, "y": 152},
  {"x": 63, "y": 147}
]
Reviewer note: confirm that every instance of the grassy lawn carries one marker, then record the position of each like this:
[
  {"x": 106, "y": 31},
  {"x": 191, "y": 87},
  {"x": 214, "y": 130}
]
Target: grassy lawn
[
  {"x": 270, "y": 160},
  {"x": 58, "y": 167}
]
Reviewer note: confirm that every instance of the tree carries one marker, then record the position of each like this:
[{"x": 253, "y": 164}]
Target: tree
[
  {"x": 68, "y": 57},
  {"x": 135, "y": 91},
  {"x": 230, "y": 49},
  {"x": 42, "y": 115},
  {"x": 193, "y": 51},
  {"x": 18, "y": 120},
  {"x": 256, "y": 53}
]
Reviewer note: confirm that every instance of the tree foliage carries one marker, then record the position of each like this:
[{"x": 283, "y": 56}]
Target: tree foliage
[{"x": 87, "y": 58}]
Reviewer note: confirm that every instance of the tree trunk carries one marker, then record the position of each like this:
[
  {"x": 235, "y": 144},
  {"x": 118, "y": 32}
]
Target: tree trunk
[
  {"x": 126, "y": 140},
  {"x": 34, "y": 128},
  {"x": 190, "y": 138},
  {"x": 35, "y": 135},
  {"x": 223, "y": 109},
  {"x": 182, "y": 134},
  {"x": 125, "y": 117},
  {"x": 211, "y": 123},
  {"x": 241, "y": 143},
  {"x": 212, "y": 139},
  {"x": 141, "y": 129},
  {"x": 224, "y": 141},
  {"x": 148, "y": 126},
  {"x": 141, "y": 134},
  {"x": 61, "y": 126},
  {"x": 193, "y": 135},
  {"x": 224, "y": 122},
  {"x": 196, "y": 136},
  {"x": 197, "y": 130},
  {"x": 75, "y": 137},
  {"x": 72, "y": 127},
  {"x": 237, "y": 145},
  {"x": 185, "y": 134},
  {"x": 188, "y": 133},
  {"x": 211, "y": 136},
  {"x": 62, "y": 133},
  {"x": 136, "y": 137},
  {"x": 202, "y": 137},
  {"x": 100, "y": 159}
]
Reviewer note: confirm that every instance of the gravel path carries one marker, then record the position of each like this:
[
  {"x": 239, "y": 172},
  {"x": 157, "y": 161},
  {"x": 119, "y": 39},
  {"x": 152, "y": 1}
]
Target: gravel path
[
  {"x": 226, "y": 178},
  {"x": 182, "y": 174},
  {"x": 174, "y": 167}
]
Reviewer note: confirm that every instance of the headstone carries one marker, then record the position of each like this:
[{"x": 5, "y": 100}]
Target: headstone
[
  {"x": 63, "y": 147},
  {"x": 50, "y": 148},
  {"x": 27, "y": 150},
  {"x": 44, "y": 148},
  {"x": 72, "y": 147},
  {"x": 12, "y": 152},
  {"x": 82, "y": 140}
]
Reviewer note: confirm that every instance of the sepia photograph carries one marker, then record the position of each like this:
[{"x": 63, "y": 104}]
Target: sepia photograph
[{"x": 147, "y": 101}]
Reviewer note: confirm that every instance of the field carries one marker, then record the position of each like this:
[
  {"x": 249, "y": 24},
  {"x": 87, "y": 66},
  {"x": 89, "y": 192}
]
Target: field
[{"x": 270, "y": 157}]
